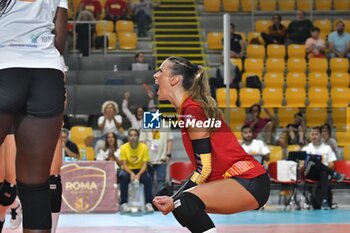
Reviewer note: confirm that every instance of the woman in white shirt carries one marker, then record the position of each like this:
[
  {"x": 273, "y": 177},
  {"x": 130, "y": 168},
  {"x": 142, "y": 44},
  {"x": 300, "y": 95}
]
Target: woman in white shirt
[{"x": 32, "y": 93}]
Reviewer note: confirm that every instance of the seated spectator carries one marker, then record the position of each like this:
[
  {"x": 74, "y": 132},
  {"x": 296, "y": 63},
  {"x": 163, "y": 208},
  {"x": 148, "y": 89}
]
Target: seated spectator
[
  {"x": 134, "y": 157},
  {"x": 160, "y": 144},
  {"x": 321, "y": 170},
  {"x": 237, "y": 43},
  {"x": 136, "y": 120},
  {"x": 339, "y": 42},
  {"x": 263, "y": 128},
  {"x": 115, "y": 9},
  {"x": 142, "y": 15},
  {"x": 315, "y": 46},
  {"x": 218, "y": 81},
  {"x": 327, "y": 138},
  {"x": 84, "y": 32},
  {"x": 254, "y": 147},
  {"x": 69, "y": 148},
  {"x": 298, "y": 30},
  {"x": 139, "y": 64},
  {"x": 110, "y": 151},
  {"x": 93, "y": 6},
  {"x": 295, "y": 132},
  {"x": 277, "y": 32}
]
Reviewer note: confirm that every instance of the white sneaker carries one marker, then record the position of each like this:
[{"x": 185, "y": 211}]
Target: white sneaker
[
  {"x": 16, "y": 217},
  {"x": 149, "y": 207},
  {"x": 125, "y": 208}
]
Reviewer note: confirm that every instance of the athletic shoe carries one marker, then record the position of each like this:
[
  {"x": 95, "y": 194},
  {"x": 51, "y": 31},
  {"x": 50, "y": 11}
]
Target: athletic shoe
[
  {"x": 16, "y": 219},
  {"x": 125, "y": 208},
  {"x": 149, "y": 207},
  {"x": 325, "y": 206},
  {"x": 339, "y": 176}
]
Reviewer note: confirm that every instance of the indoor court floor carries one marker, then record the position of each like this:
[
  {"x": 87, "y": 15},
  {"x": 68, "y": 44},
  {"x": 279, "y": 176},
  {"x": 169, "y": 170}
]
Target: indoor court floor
[{"x": 312, "y": 221}]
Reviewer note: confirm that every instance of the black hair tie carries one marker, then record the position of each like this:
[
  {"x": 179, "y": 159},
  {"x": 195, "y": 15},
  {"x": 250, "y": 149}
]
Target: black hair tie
[{"x": 195, "y": 68}]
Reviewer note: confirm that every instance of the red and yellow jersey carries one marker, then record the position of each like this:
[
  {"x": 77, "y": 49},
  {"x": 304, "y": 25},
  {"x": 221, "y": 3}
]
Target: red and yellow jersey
[{"x": 228, "y": 158}]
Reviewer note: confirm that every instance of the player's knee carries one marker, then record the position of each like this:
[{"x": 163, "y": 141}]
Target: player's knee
[
  {"x": 190, "y": 212},
  {"x": 8, "y": 193},
  {"x": 35, "y": 205},
  {"x": 55, "y": 193}
]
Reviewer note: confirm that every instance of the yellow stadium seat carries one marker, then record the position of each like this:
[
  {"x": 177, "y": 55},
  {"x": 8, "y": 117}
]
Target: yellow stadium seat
[
  {"x": 276, "y": 51},
  {"x": 249, "y": 96},
  {"x": 237, "y": 118},
  {"x": 343, "y": 137},
  {"x": 318, "y": 80},
  {"x": 127, "y": 40},
  {"x": 340, "y": 97},
  {"x": 274, "y": 80},
  {"x": 304, "y": 5},
  {"x": 212, "y": 5},
  {"x": 254, "y": 35},
  {"x": 271, "y": 110},
  {"x": 262, "y": 25},
  {"x": 276, "y": 153},
  {"x": 340, "y": 65},
  {"x": 341, "y": 5},
  {"x": 286, "y": 5},
  {"x": 247, "y": 74},
  {"x": 323, "y": 36},
  {"x": 252, "y": 65},
  {"x": 124, "y": 26},
  {"x": 318, "y": 97},
  {"x": 293, "y": 148},
  {"x": 221, "y": 97},
  {"x": 286, "y": 22},
  {"x": 104, "y": 27},
  {"x": 112, "y": 40},
  {"x": 242, "y": 34},
  {"x": 325, "y": 25},
  {"x": 247, "y": 5},
  {"x": 295, "y": 97},
  {"x": 256, "y": 51},
  {"x": 286, "y": 116},
  {"x": 276, "y": 65},
  {"x": 346, "y": 152},
  {"x": 215, "y": 40},
  {"x": 319, "y": 65},
  {"x": 231, "y": 5},
  {"x": 237, "y": 62},
  {"x": 296, "y": 80},
  {"x": 340, "y": 79},
  {"x": 345, "y": 21},
  {"x": 78, "y": 134},
  {"x": 339, "y": 118},
  {"x": 268, "y": 5},
  {"x": 323, "y": 5},
  {"x": 296, "y": 51},
  {"x": 272, "y": 97},
  {"x": 89, "y": 152}
]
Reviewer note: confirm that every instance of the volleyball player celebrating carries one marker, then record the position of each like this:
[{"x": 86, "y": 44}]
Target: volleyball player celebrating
[
  {"x": 32, "y": 37},
  {"x": 226, "y": 179}
]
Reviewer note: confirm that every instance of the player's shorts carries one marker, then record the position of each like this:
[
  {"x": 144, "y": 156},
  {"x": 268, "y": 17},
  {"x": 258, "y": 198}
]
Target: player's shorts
[
  {"x": 258, "y": 186},
  {"x": 32, "y": 92}
]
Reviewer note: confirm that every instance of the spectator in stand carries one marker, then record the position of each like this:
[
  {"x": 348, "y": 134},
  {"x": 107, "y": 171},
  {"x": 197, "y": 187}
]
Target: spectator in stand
[
  {"x": 339, "y": 42},
  {"x": 142, "y": 15},
  {"x": 327, "y": 138},
  {"x": 298, "y": 30},
  {"x": 70, "y": 149},
  {"x": 139, "y": 64},
  {"x": 255, "y": 147},
  {"x": 315, "y": 46},
  {"x": 84, "y": 32},
  {"x": 277, "y": 32},
  {"x": 115, "y": 9},
  {"x": 94, "y": 6},
  {"x": 263, "y": 128},
  {"x": 294, "y": 133},
  {"x": 134, "y": 157},
  {"x": 237, "y": 43}
]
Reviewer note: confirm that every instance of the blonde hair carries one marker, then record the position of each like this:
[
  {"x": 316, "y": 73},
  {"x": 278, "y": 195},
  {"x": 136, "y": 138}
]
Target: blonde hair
[
  {"x": 196, "y": 83},
  {"x": 105, "y": 105}
]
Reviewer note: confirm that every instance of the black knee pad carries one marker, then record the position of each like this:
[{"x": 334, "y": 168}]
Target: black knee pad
[
  {"x": 55, "y": 193},
  {"x": 8, "y": 193},
  {"x": 35, "y": 206},
  {"x": 190, "y": 212}
]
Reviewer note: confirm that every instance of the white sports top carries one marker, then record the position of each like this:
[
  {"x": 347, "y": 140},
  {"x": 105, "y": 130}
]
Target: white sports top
[{"x": 26, "y": 38}]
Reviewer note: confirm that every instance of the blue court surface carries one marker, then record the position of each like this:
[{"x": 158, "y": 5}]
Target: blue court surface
[{"x": 253, "y": 222}]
